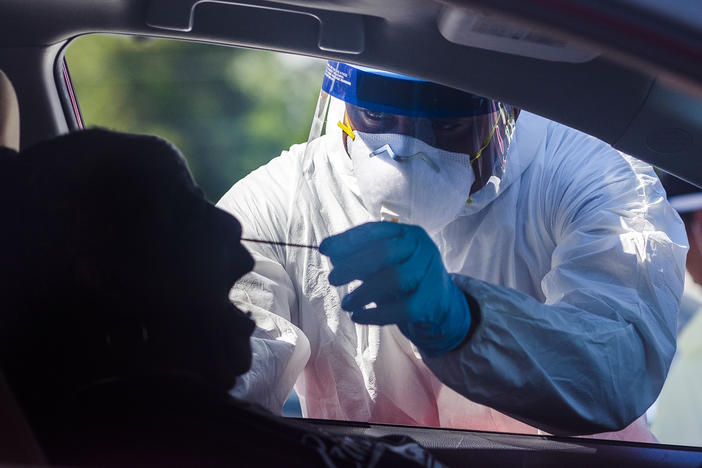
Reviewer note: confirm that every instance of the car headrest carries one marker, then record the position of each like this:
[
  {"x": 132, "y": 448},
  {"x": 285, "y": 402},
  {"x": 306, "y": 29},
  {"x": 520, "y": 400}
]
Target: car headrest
[{"x": 9, "y": 114}]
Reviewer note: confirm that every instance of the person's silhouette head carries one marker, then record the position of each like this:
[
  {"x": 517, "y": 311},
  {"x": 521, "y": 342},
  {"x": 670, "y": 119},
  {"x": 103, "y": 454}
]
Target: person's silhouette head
[{"x": 118, "y": 266}]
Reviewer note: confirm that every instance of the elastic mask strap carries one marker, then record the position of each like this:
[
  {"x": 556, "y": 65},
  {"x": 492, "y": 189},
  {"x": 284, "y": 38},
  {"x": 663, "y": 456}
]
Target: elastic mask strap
[
  {"x": 507, "y": 118},
  {"x": 487, "y": 142},
  {"x": 469, "y": 202}
]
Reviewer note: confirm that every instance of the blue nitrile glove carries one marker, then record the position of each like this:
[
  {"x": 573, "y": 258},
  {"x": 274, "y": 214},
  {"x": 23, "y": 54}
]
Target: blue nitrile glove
[{"x": 402, "y": 273}]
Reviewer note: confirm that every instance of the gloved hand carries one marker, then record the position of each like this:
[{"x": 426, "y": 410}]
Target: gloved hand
[{"x": 402, "y": 273}]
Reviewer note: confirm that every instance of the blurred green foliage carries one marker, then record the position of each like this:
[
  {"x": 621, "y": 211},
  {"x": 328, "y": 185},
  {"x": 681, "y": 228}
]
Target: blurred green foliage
[{"x": 229, "y": 110}]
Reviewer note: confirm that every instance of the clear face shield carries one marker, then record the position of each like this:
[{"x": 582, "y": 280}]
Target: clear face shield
[{"x": 418, "y": 149}]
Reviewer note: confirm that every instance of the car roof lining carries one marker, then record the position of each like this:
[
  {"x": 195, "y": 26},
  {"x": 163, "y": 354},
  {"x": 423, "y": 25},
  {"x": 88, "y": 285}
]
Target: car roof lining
[{"x": 633, "y": 110}]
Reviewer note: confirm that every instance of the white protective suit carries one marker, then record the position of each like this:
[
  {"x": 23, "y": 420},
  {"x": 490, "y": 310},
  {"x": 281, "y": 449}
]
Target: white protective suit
[{"x": 573, "y": 255}]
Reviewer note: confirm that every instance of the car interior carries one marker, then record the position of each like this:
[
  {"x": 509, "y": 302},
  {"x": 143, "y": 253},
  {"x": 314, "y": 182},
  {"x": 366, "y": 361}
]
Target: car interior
[{"x": 626, "y": 72}]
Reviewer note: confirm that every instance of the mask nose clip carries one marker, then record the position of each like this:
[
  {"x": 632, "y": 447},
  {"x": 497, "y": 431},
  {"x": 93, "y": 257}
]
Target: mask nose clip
[{"x": 396, "y": 157}]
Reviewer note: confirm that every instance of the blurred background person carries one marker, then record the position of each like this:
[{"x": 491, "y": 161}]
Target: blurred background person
[{"x": 677, "y": 415}]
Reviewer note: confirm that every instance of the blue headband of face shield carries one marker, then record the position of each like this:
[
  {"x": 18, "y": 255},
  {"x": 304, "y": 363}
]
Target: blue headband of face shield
[{"x": 398, "y": 94}]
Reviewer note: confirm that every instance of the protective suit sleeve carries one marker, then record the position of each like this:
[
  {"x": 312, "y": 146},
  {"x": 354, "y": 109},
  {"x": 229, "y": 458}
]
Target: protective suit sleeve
[
  {"x": 592, "y": 356},
  {"x": 280, "y": 349}
]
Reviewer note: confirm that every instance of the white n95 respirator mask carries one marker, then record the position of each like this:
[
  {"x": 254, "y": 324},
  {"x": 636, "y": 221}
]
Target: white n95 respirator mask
[{"x": 405, "y": 179}]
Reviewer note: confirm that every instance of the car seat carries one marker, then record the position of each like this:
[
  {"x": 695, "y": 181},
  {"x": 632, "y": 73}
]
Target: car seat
[
  {"x": 17, "y": 443},
  {"x": 9, "y": 114}
]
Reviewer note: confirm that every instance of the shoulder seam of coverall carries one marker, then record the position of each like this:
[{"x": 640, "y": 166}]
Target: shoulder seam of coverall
[{"x": 641, "y": 186}]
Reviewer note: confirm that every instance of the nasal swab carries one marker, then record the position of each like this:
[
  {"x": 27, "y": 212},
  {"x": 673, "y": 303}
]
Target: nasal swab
[
  {"x": 386, "y": 214},
  {"x": 285, "y": 244}
]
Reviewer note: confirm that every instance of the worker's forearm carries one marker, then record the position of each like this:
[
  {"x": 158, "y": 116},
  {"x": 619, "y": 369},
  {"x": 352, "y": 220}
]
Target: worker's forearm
[{"x": 562, "y": 369}]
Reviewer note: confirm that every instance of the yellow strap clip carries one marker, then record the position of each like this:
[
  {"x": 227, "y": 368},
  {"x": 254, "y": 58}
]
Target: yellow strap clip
[{"x": 346, "y": 127}]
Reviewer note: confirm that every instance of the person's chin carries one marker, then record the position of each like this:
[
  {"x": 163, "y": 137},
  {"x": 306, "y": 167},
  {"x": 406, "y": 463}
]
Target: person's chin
[
  {"x": 243, "y": 323},
  {"x": 244, "y": 262},
  {"x": 244, "y": 358},
  {"x": 241, "y": 340}
]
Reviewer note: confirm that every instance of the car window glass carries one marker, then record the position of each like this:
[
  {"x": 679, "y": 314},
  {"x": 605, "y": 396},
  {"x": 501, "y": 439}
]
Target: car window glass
[
  {"x": 232, "y": 110},
  {"x": 228, "y": 110}
]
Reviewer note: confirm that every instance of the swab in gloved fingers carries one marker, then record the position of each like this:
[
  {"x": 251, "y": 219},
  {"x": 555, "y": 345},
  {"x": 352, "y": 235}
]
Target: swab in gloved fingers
[{"x": 286, "y": 244}]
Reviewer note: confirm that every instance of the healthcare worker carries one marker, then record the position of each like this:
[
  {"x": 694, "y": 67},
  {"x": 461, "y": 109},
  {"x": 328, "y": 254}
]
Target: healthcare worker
[{"x": 477, "y": 268}]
